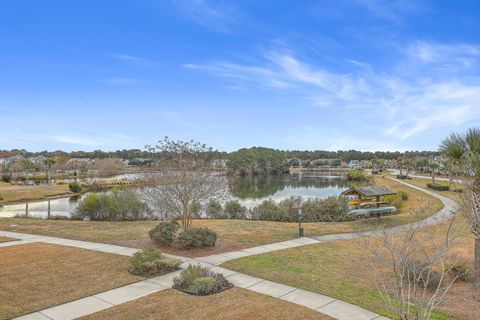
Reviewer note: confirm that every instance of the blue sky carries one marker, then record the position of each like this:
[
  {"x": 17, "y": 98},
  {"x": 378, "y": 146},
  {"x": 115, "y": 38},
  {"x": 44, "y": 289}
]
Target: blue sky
[{"x": 364, "y": 74}]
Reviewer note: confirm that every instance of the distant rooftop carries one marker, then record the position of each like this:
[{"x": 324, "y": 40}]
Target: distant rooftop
[{"x": 369, "y": 191}]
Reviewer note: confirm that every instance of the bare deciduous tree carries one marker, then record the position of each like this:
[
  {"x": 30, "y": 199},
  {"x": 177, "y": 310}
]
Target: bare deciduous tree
[
  {"x": 410, "y": 271},
  {"x": 183, "y": 178}
]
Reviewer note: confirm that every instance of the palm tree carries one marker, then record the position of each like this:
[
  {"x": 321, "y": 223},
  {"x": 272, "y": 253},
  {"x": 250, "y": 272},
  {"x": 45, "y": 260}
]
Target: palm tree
[
  {"x": 49, "y": 163},
  {"x": 465, "y": 150},
  {"x": 433, "y": 167}
]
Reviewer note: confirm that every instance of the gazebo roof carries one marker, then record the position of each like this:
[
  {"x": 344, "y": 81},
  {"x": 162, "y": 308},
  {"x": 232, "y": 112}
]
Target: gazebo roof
[{"x": 369, "y": 191}]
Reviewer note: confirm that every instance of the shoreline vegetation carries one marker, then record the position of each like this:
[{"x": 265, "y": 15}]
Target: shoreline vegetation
[{"x": 232, "y": 234}]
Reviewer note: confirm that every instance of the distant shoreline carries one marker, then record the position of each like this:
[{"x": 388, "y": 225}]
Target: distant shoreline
[{"x": 295, "y": 170}]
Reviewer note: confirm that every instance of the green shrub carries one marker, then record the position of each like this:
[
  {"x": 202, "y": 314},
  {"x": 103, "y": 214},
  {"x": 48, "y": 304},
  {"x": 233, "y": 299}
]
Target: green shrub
[
  {"x": 394, "y": 200},
  {"x": 420, "y": 273},
  {"x": 234, "y": 210},
  {"x": 150, "y": 262},
  {"x": 6, "y": 177},
  {"x": 198, "y": 280},
  {"x": 214, "y": 209},
  {"x": 438, "y": 187},
  {"x": 357, "y": 175},
  {"x": 328, "y": 209},
  {"x": 203, "y": 286},
  {"x": 197, "y": 237},
  {"x": 164, "y": 233},
  {"x": 113, "y": 206},
  {"x": 402, "y": 195},
  {"x": 74, "y": 187},
  {"x": 401, "y": 176},
  {"x": 267, "y": 210},
  {"x": 461, "y": 271}
]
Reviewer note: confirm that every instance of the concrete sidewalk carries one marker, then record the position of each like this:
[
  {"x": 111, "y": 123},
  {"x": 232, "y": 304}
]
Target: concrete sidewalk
[{"x": 326, "y": 305}]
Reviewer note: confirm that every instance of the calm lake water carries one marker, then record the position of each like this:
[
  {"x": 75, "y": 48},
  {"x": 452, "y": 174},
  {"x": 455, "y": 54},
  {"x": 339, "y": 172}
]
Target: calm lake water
[{"x": 249, "y": 191}]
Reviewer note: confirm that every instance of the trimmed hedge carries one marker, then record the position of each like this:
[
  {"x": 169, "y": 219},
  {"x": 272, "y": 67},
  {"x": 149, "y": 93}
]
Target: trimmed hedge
[
  {"x": 164, "y": 233},
  {"x": 197, "y": 237},
  {"x": 438, "y": 187}
]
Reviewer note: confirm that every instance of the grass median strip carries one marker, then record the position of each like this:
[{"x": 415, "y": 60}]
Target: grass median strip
[{"x": 38, "y": 275}]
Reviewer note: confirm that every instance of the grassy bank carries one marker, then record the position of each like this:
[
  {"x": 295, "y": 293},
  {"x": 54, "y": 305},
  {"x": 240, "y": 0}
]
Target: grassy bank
[
  {"x": 334, "y": 269},
  {"x": 20, "y": 193}
]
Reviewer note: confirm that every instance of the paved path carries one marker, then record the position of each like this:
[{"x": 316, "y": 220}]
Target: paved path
[
  {"x": 396, "y": 172},
  {"x": 326, "y": 305}
]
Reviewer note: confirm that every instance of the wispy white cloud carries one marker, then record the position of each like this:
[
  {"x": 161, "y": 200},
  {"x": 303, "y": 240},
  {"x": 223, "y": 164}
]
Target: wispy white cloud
[
  {"x": 215, "y": 16},
  {"x": 391, "y": 10},
  {"x": 432, "y": 86},
  {"x": 132, "y": 60}
]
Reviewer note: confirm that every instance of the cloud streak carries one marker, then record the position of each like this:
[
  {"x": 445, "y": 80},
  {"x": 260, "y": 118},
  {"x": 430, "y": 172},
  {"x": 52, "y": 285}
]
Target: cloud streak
[
  {"x": 214, "y": 16},
  {"x": 433, "y": 86}
]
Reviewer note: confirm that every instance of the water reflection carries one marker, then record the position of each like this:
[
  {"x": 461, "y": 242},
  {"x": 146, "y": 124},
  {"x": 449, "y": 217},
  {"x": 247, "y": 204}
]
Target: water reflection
[{"x": 250, "y": 191}]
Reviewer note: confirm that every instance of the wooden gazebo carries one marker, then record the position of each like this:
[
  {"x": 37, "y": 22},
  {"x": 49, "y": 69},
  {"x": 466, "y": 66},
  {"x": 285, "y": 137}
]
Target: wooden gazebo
[{"x": 368, "y": 194}]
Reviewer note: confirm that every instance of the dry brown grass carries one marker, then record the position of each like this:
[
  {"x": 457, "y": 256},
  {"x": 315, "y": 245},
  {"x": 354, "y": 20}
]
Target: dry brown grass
[
  {"x": 333, "y": 269},
  {"x": 6, "y": 239},
  {"x": 232, "y": 304},
  {"x": 232, "y": 234},
  {"x": 19, "y": 193},
  {"x": 39, "y": 275}
]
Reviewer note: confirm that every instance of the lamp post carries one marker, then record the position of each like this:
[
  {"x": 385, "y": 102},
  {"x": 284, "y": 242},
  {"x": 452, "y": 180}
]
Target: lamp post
[{"x": 300, "y": 219}]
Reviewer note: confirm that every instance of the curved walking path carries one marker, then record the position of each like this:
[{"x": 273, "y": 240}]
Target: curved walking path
[{"x": 326, "y": 305}]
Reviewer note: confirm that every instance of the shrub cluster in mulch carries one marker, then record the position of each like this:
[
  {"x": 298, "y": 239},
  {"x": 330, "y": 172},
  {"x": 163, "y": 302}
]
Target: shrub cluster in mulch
[
  {"x": 438, "y": 187},
  {"x": 165, "y": 233},
  {"x": 200, "y": 281},
  {"x": 151, "y": 263}
]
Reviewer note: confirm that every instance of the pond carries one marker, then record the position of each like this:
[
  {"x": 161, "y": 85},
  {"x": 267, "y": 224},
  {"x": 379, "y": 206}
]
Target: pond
[{"x": 249, "y": 191}]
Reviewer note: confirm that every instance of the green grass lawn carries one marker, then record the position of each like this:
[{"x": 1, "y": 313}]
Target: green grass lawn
[{"x": 331, "y": 269}]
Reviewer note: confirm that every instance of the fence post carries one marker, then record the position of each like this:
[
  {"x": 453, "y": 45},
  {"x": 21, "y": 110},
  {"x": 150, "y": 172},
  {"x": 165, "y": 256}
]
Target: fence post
[
  {"x": 48, "y": 209},
  {"x": 26, "y": 209}
]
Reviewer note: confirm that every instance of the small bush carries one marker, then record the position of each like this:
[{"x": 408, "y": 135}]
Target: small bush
[
  {"x": 113, "y": 206},
  {"x": 328, "y": 209},
  {"x": 150, "y": 262},
  {"x": 74, "y": 187},
  {"x": 164, "y": 233},
  {"x": 214, "y": 209},
  {"x": 6, "y": 177},
  {"x": 394, "y": 200},
  {"x": 197, "y": 237},
  {"x": 421, "y": 273},
  {"x": 402, "y": 195},
  {"x": 357, "y": 175},
  {"x": 198, "y": 280},
  {"x": 402, "y": 176},
  {"x": 203, "y": 286},
  {"x": 267, "y": 210},
  {"x": 461, "y": 271},
  {"x": 438, "y": 187},
  {"x": 234, "y": 210}
]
